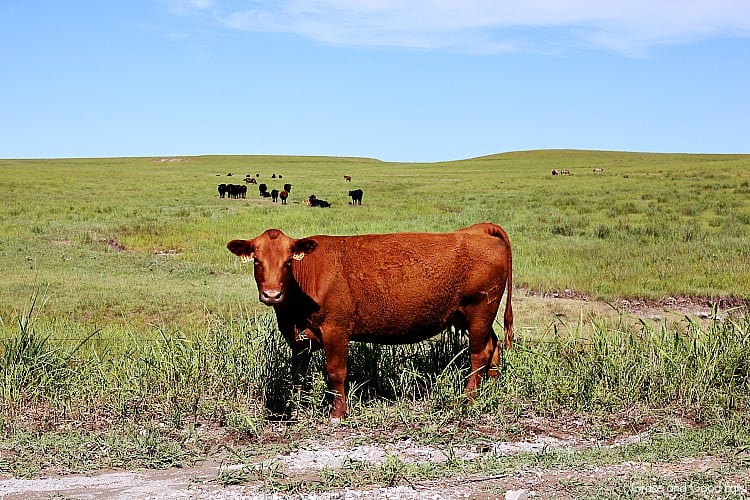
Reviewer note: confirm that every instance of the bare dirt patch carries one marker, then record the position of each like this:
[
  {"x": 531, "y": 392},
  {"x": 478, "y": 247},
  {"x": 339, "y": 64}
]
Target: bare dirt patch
[
  {"x": 569, "y": 306},
  {"x": 336, "y": 448},
  {"x": 115, "y": 244},
  {"x": 314, "y": 455}
]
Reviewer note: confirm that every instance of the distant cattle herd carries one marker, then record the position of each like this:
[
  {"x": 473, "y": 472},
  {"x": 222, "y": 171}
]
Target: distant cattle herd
[
  {"x": 565, "y": 171},
  {"x": 239, "y": 191}
]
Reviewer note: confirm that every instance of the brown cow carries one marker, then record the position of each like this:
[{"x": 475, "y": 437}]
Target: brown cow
[{"x": 384, "y": 288}]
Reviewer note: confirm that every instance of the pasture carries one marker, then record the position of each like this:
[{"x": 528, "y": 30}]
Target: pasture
[{"x": 126, "y": 322}]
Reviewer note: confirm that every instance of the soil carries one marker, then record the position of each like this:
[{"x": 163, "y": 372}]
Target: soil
[
  {"x": 333, "y": 451},
  {"x": 337, "y": 446}
]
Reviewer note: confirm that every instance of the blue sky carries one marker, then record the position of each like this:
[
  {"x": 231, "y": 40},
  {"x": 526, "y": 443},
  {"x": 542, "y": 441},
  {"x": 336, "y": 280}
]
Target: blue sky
[{"x": 397, "y": 80}]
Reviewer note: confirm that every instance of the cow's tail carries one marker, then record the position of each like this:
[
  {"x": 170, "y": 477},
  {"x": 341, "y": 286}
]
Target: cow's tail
[
  {"x": 499, "y": 232},
  {"x": 508, "y": 316}
]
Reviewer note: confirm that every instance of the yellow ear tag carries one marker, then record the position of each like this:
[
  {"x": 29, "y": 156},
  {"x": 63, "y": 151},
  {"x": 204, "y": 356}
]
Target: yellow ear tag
[
  {"x": 247, "y": 258},
  {"x": 298, "y": 256}
]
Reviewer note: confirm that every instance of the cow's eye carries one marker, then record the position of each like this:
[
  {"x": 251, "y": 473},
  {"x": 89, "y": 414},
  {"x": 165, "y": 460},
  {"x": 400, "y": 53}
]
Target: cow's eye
[{"x": 257, "y": 264}]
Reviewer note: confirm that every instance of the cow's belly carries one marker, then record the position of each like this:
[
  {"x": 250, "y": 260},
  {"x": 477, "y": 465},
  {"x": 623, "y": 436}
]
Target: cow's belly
[
  {"x": 403, "y": 321},
  {"x": 408, "y": 336}
]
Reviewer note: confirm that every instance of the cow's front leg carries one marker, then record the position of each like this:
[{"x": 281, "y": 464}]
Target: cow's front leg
[
  {"x": 301, "y": 354},
  {"x": 302, "y": 347},
  {"x": 336, "y": 348}
]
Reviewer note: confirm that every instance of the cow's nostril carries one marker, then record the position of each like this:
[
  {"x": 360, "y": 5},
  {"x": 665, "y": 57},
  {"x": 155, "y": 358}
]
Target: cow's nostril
[{"x": 273, "y": 295}]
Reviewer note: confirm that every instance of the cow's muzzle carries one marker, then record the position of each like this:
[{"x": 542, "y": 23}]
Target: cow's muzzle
[{"x": 271, "y": 297}]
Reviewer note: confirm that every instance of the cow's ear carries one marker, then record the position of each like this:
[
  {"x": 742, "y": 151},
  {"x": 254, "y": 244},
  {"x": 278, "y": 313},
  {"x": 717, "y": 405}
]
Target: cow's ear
[
  {"x": 302, "y": 247},
  {"x": 244, "y": 248}
]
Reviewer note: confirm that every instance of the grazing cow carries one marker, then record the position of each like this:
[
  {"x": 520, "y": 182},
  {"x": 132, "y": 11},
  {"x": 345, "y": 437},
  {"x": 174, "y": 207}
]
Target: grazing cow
[
  {"x": 598, "y": 170},
  {"x": 288, "y": 188},
  {"x": 356, "y": 196},
  {"x": 250, "y": 180},
  {"x": 564, "y": 172},
  {"x": 315, "y": 202},
  {"x": 347, "y": 178},
  {"x": 236, "y": 190},
  {"x": 384, "y": 288},
  {"x": 284, "y": 194},
  {"x": 274, "y": 195},
  {"x": 222, "y": 190},
  {"x": 262, "y": 188},
  {"x": 555, "y": 172}
]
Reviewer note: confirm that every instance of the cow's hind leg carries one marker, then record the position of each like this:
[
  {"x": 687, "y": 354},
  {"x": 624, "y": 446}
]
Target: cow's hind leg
[
  {"x": 483, "y": 345},
  {"x": 496, "y": 363}
]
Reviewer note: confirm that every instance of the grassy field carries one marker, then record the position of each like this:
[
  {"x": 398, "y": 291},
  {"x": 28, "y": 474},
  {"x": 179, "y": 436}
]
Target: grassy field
[
  {"x": 650, "y": 225},
  {"x": 121, "y": 309}
]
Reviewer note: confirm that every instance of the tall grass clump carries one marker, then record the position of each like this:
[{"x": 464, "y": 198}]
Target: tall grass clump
[
  {"x": 434, "y": 369},
  {"x": 235, "y": 371},
  {"x": 703, "y": 369},
  {"x": 35, "y": 367}
]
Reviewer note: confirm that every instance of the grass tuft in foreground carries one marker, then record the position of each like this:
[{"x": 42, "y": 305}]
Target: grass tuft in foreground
[{"x": 236, "y": 372}]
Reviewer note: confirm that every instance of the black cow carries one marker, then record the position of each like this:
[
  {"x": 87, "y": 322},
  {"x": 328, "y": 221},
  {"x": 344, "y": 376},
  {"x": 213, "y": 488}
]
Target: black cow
[
  {"x": 274, "y": 195},
  {"x": 356, "y": 196},
  {"x": 236, "y": 190},
  {"x": 315, "y": 202},
  {"x": 222, "y": 190},
  {"x": 262, "y": 188},
  {"x": 288, "y": 188}
]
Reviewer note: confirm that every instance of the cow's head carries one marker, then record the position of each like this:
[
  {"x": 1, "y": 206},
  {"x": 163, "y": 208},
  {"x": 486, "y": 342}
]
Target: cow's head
[{"x": 273, "y": 253}]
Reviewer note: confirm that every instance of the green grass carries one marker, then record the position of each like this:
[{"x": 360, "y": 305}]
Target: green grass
[
  {"x": 650, "y": 225},
  {"x": 124, "y": 320}
]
